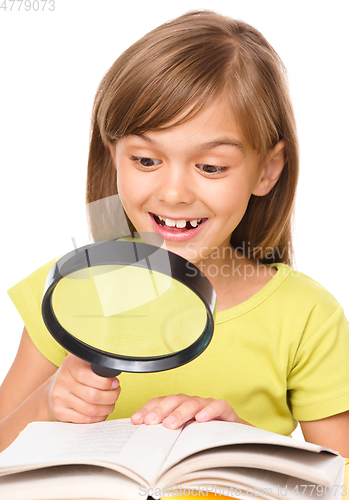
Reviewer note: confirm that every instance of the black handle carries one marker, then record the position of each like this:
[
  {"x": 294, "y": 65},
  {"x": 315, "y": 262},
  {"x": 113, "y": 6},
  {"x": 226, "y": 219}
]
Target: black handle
[{"x": 104, "y": 372}]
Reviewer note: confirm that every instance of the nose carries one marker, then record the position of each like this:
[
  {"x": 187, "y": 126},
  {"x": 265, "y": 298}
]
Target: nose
[{"x": 176, "y": 186}]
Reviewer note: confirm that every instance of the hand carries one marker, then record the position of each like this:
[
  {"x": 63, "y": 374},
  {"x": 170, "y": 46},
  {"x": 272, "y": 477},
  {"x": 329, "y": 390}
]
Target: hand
[
  {"x": 173, "y": 411},
  {"x": 76, "y": 394}
]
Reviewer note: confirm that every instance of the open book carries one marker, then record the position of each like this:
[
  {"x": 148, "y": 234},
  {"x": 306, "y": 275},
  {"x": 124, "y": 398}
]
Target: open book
[{"x": 118, "y": 460}]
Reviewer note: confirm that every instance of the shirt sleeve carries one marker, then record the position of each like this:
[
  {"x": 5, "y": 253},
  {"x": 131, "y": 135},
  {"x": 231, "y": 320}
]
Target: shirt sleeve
[
  {"x": 318, "y": 383},
  {"x": 27, "y": 296}
]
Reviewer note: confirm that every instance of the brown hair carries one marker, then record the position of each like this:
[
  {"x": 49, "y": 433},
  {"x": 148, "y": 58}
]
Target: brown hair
[{"x": 183, "y": 65}]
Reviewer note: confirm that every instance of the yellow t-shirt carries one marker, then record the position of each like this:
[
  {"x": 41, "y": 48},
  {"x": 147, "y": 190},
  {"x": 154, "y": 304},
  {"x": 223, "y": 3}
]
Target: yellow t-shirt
[{"x": 279, "y": 357}]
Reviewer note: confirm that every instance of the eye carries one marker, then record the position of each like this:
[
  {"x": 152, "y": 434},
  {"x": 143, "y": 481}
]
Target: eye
[
  {"x": 145, "y": 162},
  {"x": 211, "y": 169}
]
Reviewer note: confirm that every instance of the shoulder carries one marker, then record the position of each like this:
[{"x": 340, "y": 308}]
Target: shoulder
[
  {"x": 34, "y": 284},
  {"x": 286, "y": 296},
  {"x": 298, "y": 288},
  {"x": 307, "y": 310},
  {"x": 27, "y": 297}
]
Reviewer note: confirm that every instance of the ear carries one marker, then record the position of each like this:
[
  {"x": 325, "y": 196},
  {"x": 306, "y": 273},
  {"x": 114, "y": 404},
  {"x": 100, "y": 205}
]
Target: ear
[
  {"x": 112, "y": 149},
  {"x": 271, "y": 170}
]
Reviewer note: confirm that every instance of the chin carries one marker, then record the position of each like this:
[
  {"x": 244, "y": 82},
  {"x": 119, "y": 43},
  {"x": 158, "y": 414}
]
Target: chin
[{"x": 189, "y": 254}]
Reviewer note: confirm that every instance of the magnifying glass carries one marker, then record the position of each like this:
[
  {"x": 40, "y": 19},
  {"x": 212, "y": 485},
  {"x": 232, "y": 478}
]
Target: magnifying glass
[{"x": 125, "y": 305}]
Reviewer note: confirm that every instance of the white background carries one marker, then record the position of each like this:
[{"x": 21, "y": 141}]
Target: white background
[{"x": 51, "y": 65}]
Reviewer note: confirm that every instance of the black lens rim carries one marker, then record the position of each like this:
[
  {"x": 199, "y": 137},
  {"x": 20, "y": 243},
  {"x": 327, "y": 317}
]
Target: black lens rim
[{"x": 121, "y": 252}]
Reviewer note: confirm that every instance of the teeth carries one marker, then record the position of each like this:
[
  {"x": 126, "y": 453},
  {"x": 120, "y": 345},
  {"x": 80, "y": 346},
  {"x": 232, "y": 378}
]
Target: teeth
[
  {"x": 179, "y": 223},
  {"x": 170, "y": 222}
]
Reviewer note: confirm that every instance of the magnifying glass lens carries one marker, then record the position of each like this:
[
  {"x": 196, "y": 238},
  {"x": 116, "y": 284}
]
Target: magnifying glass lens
[
  {"x": 128, "y": 306},
  {"x": 128, "y": 310}
]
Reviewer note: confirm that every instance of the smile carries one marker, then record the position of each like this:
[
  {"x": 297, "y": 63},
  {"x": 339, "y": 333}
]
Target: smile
[
  {"x": 180, "y": 224},
  {"x": 177, "y": 230}
]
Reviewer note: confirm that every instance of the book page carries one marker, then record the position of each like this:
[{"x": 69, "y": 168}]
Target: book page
[
  {"x": 68, "y": 482},
  {"x": 117, "y": 444},
  {"x": 315, "y": 467},
  {"x": 197, "y": 437},
  {"x": 260, "y": 483}
]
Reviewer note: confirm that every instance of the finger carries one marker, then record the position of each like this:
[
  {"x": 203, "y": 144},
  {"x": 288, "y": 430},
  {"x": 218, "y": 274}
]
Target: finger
[
  {"x": 85, "y": 375},
  {"x": 218, "y": 410},
  {"x": 138, "y": 417},
  {"x": 185, "y": 412},
  {"x": 89, "y": 412},
  {"x": 82, "y": 372},
  {"x": 158, "y": 409},
  {"x": 95, "y": 396},
  {"x": 68, "y": 384},
  {"x": 166, "y": 407},
  {"x": 72, "y": 416}
]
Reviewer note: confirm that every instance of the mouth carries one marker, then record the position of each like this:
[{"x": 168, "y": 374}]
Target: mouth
[
  {"x": 182, "y": 224},
  {"x": 176, "y": 229}
]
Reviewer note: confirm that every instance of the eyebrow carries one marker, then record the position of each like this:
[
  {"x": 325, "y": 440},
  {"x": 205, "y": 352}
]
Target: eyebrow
[{"x": 224, "y": 141}]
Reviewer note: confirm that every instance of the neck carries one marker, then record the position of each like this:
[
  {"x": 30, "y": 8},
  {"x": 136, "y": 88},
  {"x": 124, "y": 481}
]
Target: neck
[{"x": 235, "y": 278}]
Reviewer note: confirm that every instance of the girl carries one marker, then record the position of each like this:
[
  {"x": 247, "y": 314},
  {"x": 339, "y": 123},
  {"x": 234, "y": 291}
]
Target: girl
[{"x": 193, "y": 128}]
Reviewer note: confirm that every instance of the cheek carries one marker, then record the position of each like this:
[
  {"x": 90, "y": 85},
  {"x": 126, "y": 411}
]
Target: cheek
[
  {"x": 121, "y": 180},
  {"x": 131, "y": 190},
  {"x": 232, "y": 202},
  {"x": 125, "y": 190}
]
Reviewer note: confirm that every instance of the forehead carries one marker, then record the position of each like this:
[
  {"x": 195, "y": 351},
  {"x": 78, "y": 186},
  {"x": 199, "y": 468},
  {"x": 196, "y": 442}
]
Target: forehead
[{"x": 214, "y": 125}]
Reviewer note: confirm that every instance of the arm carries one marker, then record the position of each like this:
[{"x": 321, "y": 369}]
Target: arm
[
  {"x": 332, "y": 432},
  {"x": 21, "y": 401},
  {"x": 35, "y": 390},
  {"x": 29, "y": 371}
]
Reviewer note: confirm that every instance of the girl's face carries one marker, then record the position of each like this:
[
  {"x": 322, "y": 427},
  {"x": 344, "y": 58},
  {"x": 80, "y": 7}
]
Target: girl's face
[{"x": 190, "y": 183}]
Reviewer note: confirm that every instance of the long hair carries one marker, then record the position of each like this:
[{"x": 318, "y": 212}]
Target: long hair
[{"x": 174, "y": 71}]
